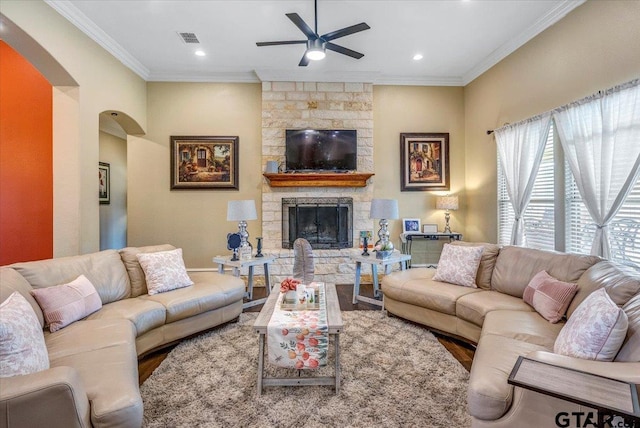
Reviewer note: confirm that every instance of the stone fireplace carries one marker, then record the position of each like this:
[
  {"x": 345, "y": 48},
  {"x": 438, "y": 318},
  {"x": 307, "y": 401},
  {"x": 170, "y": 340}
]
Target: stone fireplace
[
  {"x": 315, "y": 105},
  {"x": 327, "y": 223}
]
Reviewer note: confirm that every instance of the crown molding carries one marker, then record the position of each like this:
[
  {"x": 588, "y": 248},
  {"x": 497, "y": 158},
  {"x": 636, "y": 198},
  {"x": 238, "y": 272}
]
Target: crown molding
[
  {"x": 215, "y": 77},
  {"x": 419, "y": 80},
  {"x": 88, "y": 27},
  {"x": 553, "y": 16}
]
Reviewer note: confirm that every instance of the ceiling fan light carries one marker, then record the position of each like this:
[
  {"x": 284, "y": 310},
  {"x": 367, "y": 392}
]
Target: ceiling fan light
[{"x": 316, "y": 54}]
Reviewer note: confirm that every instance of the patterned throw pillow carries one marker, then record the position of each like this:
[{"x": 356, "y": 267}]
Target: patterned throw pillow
[
  {"x": 66, "y": 303},
  {"x": 549, "y": 296},
  {"x": 459, "y": 265},
  {"x": 164, "y": 271},
  {"x": 22, "y": 347},
  {"x": 595, "y": 330}
]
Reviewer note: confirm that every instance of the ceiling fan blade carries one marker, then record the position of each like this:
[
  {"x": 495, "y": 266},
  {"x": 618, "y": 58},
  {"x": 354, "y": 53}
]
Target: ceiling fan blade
[
  {"x": 295, "y": 18},
  {"x": 343, "y": 50},
  {"x": 304, "y": 61},
  {"x": 345, "y": 31},
  {"x": 283, "y": 42}
]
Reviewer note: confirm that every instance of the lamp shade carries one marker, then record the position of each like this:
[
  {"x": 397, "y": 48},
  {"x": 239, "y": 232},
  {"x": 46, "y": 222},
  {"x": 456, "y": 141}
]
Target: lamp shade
[
  {"x": 447, "y": 202},
  {"x": 241, "y": 210},
  {"x": 384, "y": 208}
]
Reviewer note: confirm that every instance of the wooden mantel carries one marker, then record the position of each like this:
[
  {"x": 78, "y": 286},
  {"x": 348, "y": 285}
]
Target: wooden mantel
[{"x": 304, "y": 179}]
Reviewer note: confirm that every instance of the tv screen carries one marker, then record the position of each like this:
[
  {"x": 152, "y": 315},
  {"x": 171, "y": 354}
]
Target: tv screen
[{"x": 321, "y": 150}]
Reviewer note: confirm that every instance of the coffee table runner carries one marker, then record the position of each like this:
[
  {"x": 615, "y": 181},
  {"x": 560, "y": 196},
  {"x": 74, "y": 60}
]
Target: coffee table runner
[{"x": 299, "y": 339}]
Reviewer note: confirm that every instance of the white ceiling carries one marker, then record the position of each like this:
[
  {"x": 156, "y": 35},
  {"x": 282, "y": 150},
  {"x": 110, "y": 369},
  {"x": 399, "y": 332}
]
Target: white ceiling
[{"x": 459, "y": 39}]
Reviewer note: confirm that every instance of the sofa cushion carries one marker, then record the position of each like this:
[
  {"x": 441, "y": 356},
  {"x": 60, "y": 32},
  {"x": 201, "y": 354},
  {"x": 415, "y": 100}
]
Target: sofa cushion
[
  {"x": 211, "y": 290},
  {"x": 595, "y": 330},
  {"x": 164, "y": 271},
  {"x": 489, "y": 395},
  {"x": 10, "y": 281},
  {"x": 22, "y": 346},
  {"x": 104, "y": 269},
  {"x": 549, "y": 296},
  {"x": 515, "y": 266},
  {"x": 136, "y": 274},
  {"x": 528, "y": 327},
  {"x": 65, "y": 303},
  {"x": 103, "y": 353},
  {"x": 474, "y": 307},
  {"x": 459, "y": 265},
  {"x": 487, "y": 262},
  {"x": 417, "y": 287},
  {"x": 630, "y": 351},
  {"x": 621, "y": 282},
  {"x": 144, "y": 314}
]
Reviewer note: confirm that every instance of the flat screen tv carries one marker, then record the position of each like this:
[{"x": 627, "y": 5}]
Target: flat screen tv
[{"x": 321, "y": 150}]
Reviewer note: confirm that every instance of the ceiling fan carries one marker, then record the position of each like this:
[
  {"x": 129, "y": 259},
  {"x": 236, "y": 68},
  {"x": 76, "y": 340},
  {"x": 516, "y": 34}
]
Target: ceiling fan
[{"x": 316, "y": 44}]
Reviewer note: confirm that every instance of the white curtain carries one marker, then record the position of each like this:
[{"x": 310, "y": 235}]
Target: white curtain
[
  {"x": 520, "y": 147},
  {"x": 600, "y": 136}
]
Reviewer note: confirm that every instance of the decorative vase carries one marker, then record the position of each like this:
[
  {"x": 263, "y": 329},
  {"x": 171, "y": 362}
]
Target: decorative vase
[{"x": 384, "y": 254}]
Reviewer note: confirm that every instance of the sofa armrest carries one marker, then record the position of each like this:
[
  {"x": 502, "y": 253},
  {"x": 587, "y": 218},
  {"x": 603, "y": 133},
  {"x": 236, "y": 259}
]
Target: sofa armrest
[
  {"x": 628, "y": 372},
  {"x": 53, "y": 398}
]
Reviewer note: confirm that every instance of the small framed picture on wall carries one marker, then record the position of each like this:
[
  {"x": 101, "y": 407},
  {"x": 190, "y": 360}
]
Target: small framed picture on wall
[{"x": 104, "y": 183}]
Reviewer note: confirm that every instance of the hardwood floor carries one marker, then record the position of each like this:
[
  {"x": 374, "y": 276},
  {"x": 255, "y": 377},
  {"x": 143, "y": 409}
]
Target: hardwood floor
[{"x": 462, "y": 351}]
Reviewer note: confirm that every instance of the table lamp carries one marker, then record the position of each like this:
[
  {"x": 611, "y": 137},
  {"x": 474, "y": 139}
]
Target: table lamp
[
  {"x": 384, "y": 209},
  {"x": 447, "y": 203},
  {"x": 241, "y": 211}
]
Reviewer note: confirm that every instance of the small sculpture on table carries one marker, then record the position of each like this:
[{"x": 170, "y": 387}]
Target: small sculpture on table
[
  {"x": 365, "y": 244},
  {"x": 259, "y": 247}
]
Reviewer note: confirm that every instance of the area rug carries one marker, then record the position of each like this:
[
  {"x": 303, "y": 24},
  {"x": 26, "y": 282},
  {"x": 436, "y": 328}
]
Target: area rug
[{"x": 394, "y": 374}]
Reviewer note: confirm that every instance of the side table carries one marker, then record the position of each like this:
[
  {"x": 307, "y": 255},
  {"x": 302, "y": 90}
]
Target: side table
[
  {"x": 402, "y": 259},
  {"x": 610, "y": 397},
  {"x": 223, "y": 261}
]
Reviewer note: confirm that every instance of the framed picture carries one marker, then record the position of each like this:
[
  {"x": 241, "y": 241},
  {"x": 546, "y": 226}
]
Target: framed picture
[
  {"x": 368, "y": 235},
  {"x": 410, "y": 225},
  {"x": 204, "y": 163},
  {"x": 424, "y": 161},
  {"x": 429, "y": 228},
  {"x": 104, "y": 183}
]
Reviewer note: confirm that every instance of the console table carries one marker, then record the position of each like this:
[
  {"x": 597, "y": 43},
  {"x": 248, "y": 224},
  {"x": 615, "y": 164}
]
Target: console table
[
  {"x": 223, "y": 261},
  {"x": 408, "y": 238},
  {"x": 610, "y": 397}
]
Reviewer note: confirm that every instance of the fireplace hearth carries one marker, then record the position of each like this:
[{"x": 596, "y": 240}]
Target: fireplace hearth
[{"x": 327, "y": 223}]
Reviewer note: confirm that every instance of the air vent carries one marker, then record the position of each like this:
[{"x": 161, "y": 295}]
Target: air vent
[{"x": 189, "y": 38}]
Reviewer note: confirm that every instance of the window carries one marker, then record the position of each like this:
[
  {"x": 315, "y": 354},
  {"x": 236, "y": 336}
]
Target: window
[
  {"x": 563, "y": 223},
  {"x": 539, "y": 216}
]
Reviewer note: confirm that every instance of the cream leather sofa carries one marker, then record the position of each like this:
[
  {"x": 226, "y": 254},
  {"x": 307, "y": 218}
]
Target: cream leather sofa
[
  {"x": 93, "y": 375},
  {"x": 503, "y": 326}
]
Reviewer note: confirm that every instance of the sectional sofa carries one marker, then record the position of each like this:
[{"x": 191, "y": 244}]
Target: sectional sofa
[
  {"x": 494, "y": 316},
  {"x": 93, "y": 374}
]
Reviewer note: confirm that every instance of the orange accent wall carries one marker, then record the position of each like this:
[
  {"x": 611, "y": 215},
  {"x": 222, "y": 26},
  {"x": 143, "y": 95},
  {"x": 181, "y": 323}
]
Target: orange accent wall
[{"x": 26, "y": 160}]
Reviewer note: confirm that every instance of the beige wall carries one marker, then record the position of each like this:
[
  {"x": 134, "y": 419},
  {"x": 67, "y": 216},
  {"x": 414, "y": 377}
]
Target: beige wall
[
  {"x": 104, "y": 84},
  {"x": 194, "y": 220},
  {"x": 113, "y": 216},
  {"x": 398, "y": 109},
  {"x": 594, "y": 47}
]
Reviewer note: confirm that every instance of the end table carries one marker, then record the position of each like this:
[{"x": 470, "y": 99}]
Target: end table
[
  {"x": 223, "y": 261},
  {"x": 396, "y": 257}
]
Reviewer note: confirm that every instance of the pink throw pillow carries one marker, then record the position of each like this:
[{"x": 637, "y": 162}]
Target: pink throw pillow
[
  {"x": 549, "y": 296},
  {"x": 459, "y": 265},
  {"x": 67, "y": 303},
  {"x": 595, "y": 330}
]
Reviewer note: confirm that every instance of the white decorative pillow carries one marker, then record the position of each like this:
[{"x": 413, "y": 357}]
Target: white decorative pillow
[
  {"x": 164, "y": 271},
  {"x": 67, "y": 303},
  {"x": 459, "y": 265},
  {"x": 22, "y": 347},
  {"x": 549, "y": 296},
  {"x": 595, "y": 330}
]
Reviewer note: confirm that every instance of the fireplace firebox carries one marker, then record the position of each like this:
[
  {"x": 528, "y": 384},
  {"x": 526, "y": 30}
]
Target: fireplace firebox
[{"x": 327, "y": 223}]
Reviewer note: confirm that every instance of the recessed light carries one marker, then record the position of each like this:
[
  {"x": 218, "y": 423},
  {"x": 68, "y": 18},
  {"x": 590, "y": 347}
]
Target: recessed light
[
  {"x": 417, "y": 57},
  {"x": 200, "y": 53}
]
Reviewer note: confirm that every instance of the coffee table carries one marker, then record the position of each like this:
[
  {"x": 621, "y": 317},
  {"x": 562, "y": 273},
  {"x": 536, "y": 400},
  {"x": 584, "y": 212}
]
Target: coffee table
[{"x": 334, "y": 319}]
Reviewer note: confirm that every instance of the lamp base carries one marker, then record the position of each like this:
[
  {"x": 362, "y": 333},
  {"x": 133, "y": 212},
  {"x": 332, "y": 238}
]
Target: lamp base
[{"x": 447, "y": 229}]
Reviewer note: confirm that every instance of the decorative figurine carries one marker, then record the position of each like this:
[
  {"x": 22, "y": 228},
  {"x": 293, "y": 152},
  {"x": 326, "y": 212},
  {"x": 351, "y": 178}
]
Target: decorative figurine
[
  {"x": 365, "y": 244},
  {"x": 259, "y": 247}
]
